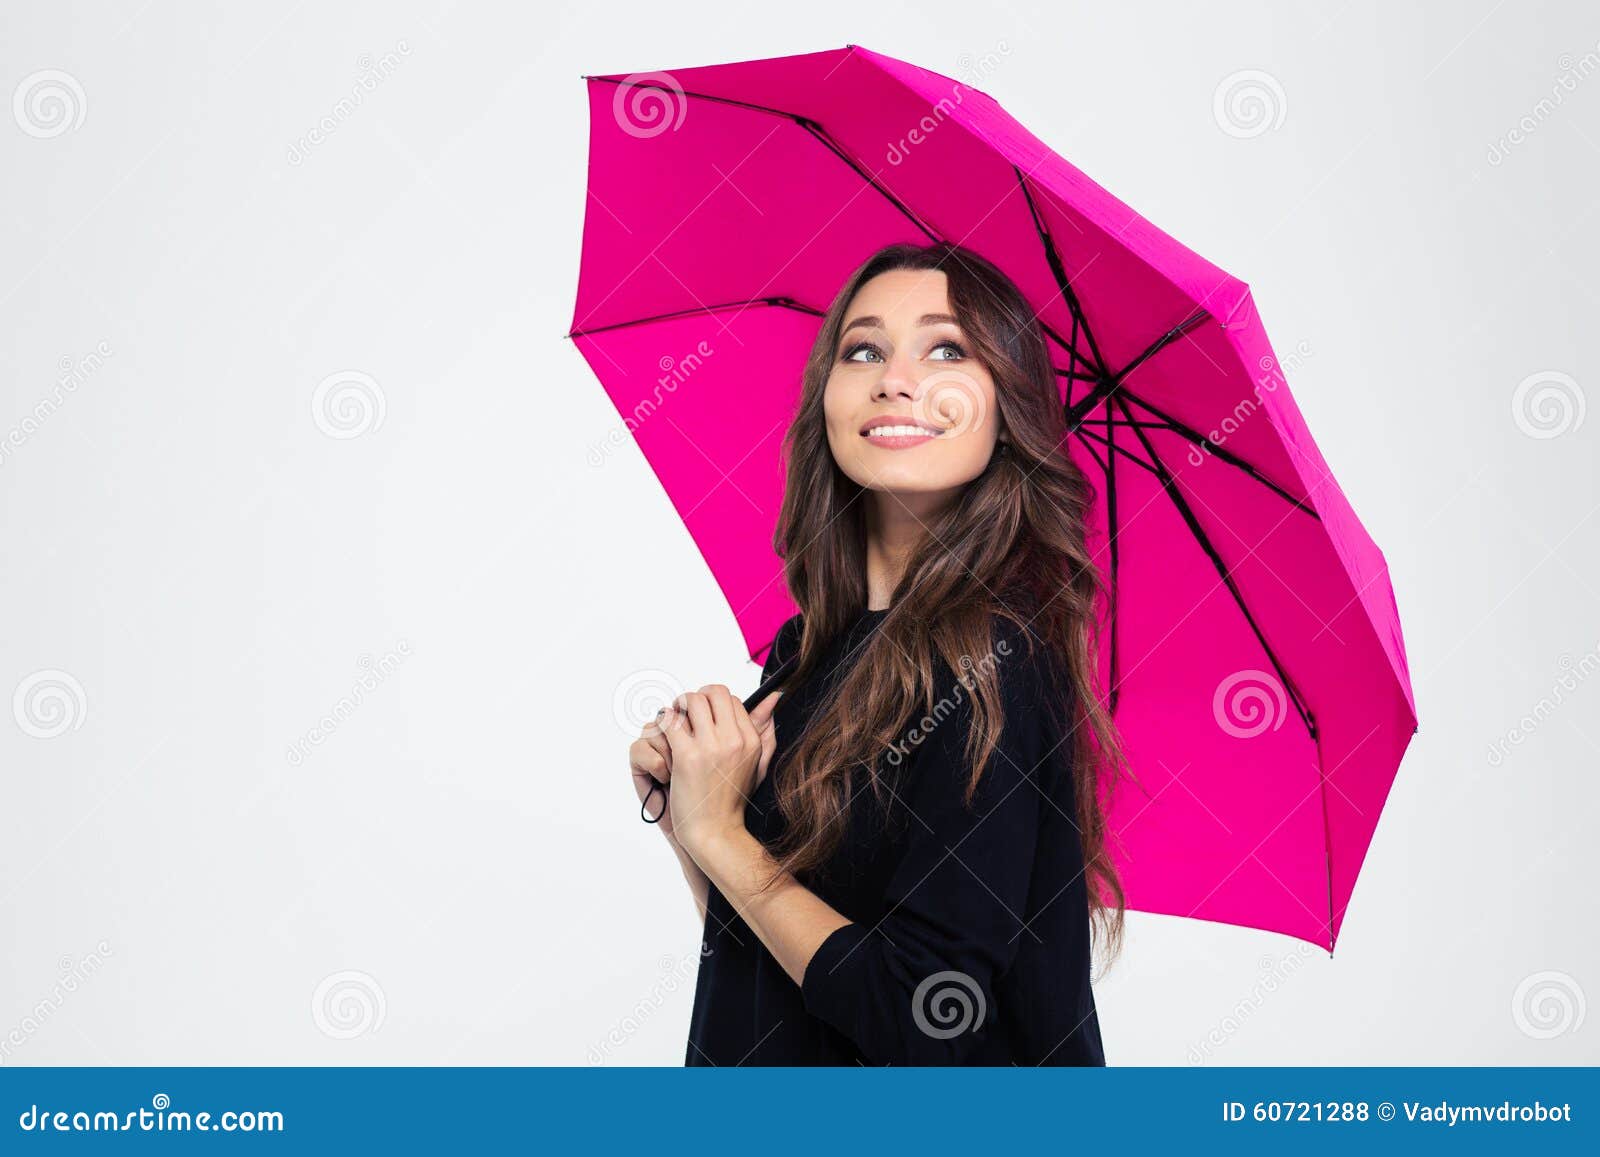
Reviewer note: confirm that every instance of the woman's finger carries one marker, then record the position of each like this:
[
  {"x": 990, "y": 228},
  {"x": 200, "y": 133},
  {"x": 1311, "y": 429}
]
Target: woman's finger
[
  {"x": 762, "y": 715},
  {"x": 694, "y": 706},
  {"x": 646, "y": 760},
  {"x": 677, "y": 729},
  {"x": 724, "y": 709},
  {"x": 729, "y": 714},
  {"x": 654, "y": 726},
  {"x": 653, "y": 734}
]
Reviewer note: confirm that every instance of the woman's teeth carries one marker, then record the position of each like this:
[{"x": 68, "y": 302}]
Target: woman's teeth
[{"x": 901, "y": 432}]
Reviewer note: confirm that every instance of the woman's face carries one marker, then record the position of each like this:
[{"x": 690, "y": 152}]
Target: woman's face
[{"x": 909, "y": 409}]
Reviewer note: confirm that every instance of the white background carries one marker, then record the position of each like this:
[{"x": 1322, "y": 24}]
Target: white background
[{"x": 185, "y": 540}]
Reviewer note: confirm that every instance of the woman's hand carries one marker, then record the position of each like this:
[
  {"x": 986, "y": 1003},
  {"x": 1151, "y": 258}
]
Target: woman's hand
[
  {"x": 650, "y": 760},
  {"x": 718, "y": 753}
]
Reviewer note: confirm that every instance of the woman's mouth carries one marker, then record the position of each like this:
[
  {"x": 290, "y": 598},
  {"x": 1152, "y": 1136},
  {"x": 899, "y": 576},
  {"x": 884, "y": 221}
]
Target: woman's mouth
[{"x": 899, "y": 436}]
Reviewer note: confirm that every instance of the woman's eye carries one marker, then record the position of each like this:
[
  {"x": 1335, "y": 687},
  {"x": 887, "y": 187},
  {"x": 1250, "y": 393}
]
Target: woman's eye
[{"x": 945, "y": 351}]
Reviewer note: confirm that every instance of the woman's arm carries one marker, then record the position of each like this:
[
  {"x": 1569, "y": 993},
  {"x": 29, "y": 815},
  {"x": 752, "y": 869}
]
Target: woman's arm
[
  {"x": 718, "y": 750},
  {"x": 650, "y": 761},
  {"x": 699, "y": 884},
  {"x": 956, "y": 906},
  {"x": 789, "y": 918}
]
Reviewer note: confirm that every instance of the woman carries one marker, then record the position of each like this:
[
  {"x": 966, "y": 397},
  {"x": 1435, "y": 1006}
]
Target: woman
[{"x": 899, "y": 855}]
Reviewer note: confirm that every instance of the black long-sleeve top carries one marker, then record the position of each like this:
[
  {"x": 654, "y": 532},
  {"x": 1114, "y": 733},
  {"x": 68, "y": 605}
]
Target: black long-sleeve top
[{"x": 969, "y": 935}]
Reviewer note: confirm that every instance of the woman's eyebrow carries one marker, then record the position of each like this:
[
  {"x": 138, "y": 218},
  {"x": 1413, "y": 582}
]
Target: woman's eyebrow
[{"x": 871, "y": 322}]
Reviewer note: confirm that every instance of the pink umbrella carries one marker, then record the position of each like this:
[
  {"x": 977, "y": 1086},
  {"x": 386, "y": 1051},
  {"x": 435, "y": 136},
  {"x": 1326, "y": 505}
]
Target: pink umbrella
[{"x": 1254, "y": 658}]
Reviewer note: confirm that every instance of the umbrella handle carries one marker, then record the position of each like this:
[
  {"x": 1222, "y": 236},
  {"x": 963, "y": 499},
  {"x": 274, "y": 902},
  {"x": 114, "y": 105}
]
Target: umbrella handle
[{"x": 750, "y": 704}]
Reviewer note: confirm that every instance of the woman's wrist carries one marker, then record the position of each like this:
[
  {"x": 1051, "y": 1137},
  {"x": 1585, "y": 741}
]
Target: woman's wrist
[
  {"x": 720, "y": 849},
  {"x": 682, "y": 853}
]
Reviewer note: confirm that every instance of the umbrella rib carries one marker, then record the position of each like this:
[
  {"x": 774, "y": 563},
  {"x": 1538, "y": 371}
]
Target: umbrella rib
[
  {"x": 1123, "y": 450},
  {"x": 1222, "y": 453},
  {"x": 1170, "y": 485},
  {"x": 1111, "y": 525},
  {"x": 1106, "y": 465},
  {"x": 1064, "y": 284},
  {"x": 780, "y": 302},
  {"x": 1147, "y": 423},
  {"x": 1084, "y": 436},
  {"x": 822, "y": 135},
  {"x": 1200, "y": 314},
  {"x": 805, "y": 122},
  {"x": 1106, "y": 383},
  {"x": 1116, "y": 384}
]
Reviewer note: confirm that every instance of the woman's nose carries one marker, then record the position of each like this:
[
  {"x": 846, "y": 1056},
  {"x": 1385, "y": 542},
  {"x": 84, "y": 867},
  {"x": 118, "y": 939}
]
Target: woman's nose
[{"x": 899, "y": 378}]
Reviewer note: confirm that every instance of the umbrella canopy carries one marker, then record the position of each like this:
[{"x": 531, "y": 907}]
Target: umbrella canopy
[{"x": 1254, "y": 657}]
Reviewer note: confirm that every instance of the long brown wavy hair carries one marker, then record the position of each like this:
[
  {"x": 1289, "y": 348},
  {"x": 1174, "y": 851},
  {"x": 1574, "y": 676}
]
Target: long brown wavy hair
[{"x": 1012, "y": 544}]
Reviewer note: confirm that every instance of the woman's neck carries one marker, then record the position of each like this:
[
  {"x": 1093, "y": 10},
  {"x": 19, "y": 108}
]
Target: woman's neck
[{"x": 894, "y": 530}]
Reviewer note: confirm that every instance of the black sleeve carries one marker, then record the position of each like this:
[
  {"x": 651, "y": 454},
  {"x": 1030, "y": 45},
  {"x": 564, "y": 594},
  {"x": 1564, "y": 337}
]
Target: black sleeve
[{"x": 918, "y": 986}]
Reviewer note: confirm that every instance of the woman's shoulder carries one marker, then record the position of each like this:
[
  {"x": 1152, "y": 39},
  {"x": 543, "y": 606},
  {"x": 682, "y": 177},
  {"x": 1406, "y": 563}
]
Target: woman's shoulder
[
  {"x": 1021, "y": 668},
  {"x": 784, "y": 643},
  {"x": 1033, "y": 679}
]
